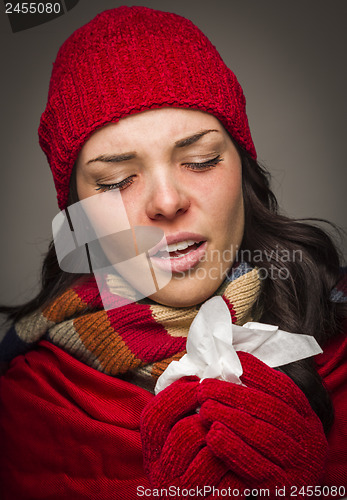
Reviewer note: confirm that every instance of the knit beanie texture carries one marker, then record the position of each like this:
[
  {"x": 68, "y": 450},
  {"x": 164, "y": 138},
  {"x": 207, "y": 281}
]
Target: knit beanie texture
[{"x": 127, "y": 60}]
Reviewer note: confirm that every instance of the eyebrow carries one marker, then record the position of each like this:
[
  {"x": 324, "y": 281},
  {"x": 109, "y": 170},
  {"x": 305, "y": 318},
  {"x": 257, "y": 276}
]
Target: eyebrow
[
  {"x": 182, "y": 143},
  {"x": 193, "y": 138},
  {"x": 114, "y": 158}
]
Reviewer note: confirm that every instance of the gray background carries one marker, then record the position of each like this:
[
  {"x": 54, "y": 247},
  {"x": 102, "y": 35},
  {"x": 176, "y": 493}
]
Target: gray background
[{"x": 290, "y": 58}]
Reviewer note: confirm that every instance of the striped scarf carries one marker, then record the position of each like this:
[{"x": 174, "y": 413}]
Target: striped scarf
[{"x": 135, "y": 341}]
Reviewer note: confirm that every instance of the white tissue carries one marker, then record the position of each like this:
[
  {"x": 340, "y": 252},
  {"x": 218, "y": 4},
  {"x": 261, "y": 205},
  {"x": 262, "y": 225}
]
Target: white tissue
[{"x": 213, "y": 341}]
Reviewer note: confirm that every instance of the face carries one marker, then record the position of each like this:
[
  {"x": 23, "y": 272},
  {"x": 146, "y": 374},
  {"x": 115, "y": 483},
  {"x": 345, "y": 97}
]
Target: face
[{"x": 178, "y": 171}]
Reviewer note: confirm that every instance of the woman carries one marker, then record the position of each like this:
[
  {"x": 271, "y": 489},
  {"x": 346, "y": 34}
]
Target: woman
[{"x": 141, "y": 104}]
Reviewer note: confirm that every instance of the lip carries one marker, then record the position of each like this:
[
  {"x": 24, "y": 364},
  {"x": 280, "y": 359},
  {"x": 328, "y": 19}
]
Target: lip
[
  {"x": 183, "y": 263},
  {"x": 175, "y": 238}
]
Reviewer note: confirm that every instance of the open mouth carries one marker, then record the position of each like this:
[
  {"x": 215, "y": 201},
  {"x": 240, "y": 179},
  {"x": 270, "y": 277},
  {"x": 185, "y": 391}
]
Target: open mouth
[
  {"x": 178, "y": 250},
  {"x": 179, "y": 256}
]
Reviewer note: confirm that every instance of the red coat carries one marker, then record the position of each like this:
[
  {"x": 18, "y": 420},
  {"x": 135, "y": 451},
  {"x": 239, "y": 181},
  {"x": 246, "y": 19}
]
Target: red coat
[{"x": 70, "y": 432}]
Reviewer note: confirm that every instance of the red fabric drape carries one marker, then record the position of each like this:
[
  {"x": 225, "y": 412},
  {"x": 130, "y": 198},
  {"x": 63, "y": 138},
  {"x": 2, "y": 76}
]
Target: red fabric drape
[
  {"x": 68, "y": 431},
  {"x": 332, "y": 366}
]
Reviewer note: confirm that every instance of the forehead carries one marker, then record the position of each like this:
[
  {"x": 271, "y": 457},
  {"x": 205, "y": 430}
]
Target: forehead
[{"x": 159, "y": 126}]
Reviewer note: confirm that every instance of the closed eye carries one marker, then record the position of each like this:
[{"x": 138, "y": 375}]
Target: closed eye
[
  {"x": 116, "y": 185},
  {"x": 200, "y": 166},
  {"x": 206, "y": 165}
]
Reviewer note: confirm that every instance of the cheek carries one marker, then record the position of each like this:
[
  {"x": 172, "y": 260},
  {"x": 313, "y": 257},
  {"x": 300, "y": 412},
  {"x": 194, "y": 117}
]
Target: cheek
[
  {"x": 231, "y": 226},
  {"x": 135, "y": 208},
  {"x": 235, "y": 208},
  {"x": 224, "y": 204}
]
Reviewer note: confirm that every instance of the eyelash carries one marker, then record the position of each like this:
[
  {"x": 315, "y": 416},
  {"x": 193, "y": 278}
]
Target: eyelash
[
  {"x": 117, "y": 185},
  {"x": 129, "y": 180},
  {"x": 206, "y": 165}
]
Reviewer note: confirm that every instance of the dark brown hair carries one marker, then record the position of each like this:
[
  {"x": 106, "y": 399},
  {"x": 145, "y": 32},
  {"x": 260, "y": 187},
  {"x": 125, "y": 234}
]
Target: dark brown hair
[{"x": 300, "y": 302}]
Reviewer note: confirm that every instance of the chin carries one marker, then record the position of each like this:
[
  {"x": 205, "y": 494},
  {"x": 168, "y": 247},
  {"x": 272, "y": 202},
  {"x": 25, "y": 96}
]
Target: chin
[{"x": 185, "y": 294}]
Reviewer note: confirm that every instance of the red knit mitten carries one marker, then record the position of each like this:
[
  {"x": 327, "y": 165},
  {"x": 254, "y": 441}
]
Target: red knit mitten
[
  {"x": 263, "y": 434},
  {"x": 174, "y": 440},
  {"x": 265, "y": 431}
]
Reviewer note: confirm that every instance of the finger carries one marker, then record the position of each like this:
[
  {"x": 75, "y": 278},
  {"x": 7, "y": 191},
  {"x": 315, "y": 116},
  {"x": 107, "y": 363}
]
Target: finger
[
  {"x": 164, "y": 410},
  {"x": 258, "y": 375},
  {"x": 273, "y": 443},
  {"x": 205, "y": 469},
  {"x": 183, "y": 443},
  {"x": 254, "y": 402},
  {"x": 230, "y": 482},
  {"x": 243, "y": 460}
]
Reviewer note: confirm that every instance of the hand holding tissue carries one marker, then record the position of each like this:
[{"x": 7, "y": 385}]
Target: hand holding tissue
[
  {"x": 259, "y": 431},
  {"x": 213, "y": 341}
]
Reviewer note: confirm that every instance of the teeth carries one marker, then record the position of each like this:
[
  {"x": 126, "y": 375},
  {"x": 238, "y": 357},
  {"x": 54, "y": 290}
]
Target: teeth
[
  {"x": 175, "y": 256},
  {"x": 181, "y": 245}
]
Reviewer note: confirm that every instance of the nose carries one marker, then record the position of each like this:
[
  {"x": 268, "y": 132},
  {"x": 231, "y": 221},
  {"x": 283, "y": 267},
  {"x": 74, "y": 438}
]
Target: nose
[{"x": 167, "y": 199}]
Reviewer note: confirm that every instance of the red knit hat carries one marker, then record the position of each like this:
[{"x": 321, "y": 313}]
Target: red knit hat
[{"x": 128, "y": 60}]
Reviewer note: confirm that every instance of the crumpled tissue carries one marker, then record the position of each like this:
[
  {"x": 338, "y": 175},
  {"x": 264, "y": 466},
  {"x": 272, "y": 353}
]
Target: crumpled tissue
[{"x": 213, "y": 341}]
